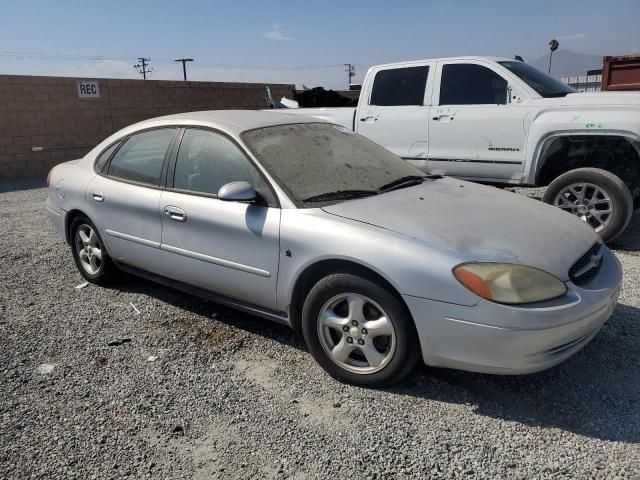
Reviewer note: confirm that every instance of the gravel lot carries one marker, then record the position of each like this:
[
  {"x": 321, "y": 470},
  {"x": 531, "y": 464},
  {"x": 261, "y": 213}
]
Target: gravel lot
[{"x": 234, "y": 396}]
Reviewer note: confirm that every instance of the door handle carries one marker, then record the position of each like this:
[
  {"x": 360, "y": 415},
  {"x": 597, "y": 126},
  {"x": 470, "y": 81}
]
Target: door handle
[
  {"x": 97, "y": 196},
  {"x": 175, "y": 213},
  {"x": 444, "y": 118},
  {"x": 369, "y": 119}
]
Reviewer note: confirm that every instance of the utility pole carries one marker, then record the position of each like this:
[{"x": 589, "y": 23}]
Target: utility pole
[
  {"x": 143, "y": 67},
  {"x": 351, "y": 71},
  {"x": 553, "y": 46},
  {"x": 184, "y": 65}
]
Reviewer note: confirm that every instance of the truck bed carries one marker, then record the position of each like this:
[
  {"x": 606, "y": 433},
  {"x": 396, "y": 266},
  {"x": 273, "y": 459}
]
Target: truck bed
[{"x": 344, "y": 116}]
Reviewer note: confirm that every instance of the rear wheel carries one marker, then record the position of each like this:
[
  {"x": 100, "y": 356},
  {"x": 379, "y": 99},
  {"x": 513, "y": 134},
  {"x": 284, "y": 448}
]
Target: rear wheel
[
  {"x": 89, "y": 253},
  {"x": 600, "y": 198},
  {"x": 358, "y": 331}
]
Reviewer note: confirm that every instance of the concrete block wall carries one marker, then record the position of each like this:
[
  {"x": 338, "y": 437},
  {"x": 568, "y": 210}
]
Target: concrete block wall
[{"x": 47, "y": 112}]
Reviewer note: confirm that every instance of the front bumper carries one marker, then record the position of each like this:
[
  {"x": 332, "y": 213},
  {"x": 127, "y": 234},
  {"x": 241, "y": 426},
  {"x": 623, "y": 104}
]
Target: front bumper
[
  {"x": 57, "y": 217},
  {"x": 507, "y": 339}
]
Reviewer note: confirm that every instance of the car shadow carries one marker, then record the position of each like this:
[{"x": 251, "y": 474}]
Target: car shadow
[
  {"x": 246, "y": 322},
  {"x": 596, "y": 393},
  {"x": 629, "y": 240},
  {"x": 22, "y": 184}
]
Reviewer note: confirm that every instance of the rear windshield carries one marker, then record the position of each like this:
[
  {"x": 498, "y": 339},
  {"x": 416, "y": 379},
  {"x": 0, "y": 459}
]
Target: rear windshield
[
  {"x": 544, "y": 84},
  {"x": 312, "y": 159}
]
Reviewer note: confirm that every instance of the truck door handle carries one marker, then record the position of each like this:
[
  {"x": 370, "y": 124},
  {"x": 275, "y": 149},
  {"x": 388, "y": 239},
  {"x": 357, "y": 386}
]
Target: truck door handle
[
  {"x": 97, "y": 196},
  {"x": 444, "y": 118},
  {"x": 175, "y": 213},
  {"x": 370, "y": 118}
]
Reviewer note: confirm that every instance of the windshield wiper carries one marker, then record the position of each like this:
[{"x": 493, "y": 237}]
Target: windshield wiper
[
  {"x": 402, "y": 182},
  {"x": 341, "y": 195}
]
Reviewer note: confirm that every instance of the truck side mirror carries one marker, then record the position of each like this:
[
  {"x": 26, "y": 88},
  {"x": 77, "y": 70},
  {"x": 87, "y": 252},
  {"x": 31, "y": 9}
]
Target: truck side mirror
[{"x": 512, "y": 95}]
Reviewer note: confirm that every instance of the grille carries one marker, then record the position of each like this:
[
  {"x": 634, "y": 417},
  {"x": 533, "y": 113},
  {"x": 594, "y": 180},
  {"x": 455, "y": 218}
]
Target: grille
[{"x": 587, "y": 266}]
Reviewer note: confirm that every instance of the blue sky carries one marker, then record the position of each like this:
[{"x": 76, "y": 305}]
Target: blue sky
[{"x": 296, "y": 42}]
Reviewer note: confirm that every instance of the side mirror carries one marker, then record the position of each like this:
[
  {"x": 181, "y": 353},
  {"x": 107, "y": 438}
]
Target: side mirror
[
  {"x": 512, "y": 95},
  {"x": 237, "y": 191}
]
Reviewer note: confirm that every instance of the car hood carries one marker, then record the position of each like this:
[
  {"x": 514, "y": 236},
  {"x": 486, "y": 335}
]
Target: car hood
[
  {"x": 477, "y": 223},
  {"x": 624, "y": 99}
]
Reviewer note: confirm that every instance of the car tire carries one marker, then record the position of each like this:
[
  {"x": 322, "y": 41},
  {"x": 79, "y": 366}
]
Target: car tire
[
  {"x": 335, "y": 317},
  {"x": 89, "y": 253},
  {"x": 587, "y": 193}
]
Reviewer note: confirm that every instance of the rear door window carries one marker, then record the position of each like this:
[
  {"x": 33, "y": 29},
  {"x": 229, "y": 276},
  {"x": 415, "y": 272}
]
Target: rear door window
[
  {"x": 104, "y": 157},
  {"x": 141, "y": 157},
  {"x": 399, "y": 86},
  {"x": 469, "y": 84}
]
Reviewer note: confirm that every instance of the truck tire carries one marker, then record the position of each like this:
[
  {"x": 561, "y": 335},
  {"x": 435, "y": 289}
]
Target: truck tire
[{"x": 597, "y": 196}]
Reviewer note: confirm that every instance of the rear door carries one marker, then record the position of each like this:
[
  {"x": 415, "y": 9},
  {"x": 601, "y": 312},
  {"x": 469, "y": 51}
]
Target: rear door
[
  {"x": 229, "y": 247},
  {"x": 125, "y": 198},
  {"x": 395, "y": 113},
  {"x": 475, "y": 130}
]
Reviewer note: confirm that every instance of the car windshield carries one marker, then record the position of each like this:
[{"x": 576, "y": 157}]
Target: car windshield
[
  {"x": 318, "y": 163},
  {"x": 544, "y": 84}
]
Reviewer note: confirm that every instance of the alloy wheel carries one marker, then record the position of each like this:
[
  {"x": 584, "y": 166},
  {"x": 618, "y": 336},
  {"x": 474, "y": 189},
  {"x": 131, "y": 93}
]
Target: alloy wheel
[
  {"x": 88, "y": 249},
  {"x": 590, "y": 202},
  {"x": 356, "y": 333}
]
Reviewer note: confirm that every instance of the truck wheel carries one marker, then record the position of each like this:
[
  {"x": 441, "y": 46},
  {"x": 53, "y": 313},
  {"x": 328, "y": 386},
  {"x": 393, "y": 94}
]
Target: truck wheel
[{"x": 598, "y": 197}]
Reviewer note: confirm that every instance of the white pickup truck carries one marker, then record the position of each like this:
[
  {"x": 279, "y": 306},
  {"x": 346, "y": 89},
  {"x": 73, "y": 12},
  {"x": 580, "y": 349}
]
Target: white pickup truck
[{"x": 503, "y": 122}]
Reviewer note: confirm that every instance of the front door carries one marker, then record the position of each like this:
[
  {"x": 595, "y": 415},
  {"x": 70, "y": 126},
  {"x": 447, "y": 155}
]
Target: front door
[
  {"x": 475, "y": 130},
  {"x": 125, "y": 199},
  {"x": 396, "y": 113},
  {"x": 231, "y": 248}
]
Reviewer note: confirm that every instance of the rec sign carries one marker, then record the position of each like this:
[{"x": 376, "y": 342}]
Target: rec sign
[{"x": 88, "y": 89}]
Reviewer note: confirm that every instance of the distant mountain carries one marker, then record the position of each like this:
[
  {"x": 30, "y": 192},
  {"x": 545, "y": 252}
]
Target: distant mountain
[{"x": 566, "y": 63}]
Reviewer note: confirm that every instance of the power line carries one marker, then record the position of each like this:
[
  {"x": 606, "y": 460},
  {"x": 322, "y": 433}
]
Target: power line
[
  {"x": 143, "y": 67},
  {"x": 18, "y": 55},
  {"x": 184, "y": 65},
  {"x": 55, "y": 56}
]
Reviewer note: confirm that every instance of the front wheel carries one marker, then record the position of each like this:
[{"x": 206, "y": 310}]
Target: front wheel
[
  {"x": 598, "y": 197},
  {"x": 358, "y": 331}
]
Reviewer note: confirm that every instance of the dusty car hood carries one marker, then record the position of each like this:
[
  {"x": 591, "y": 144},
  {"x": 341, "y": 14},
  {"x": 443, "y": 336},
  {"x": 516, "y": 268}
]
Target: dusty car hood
[{"x": 476, "y": 222}]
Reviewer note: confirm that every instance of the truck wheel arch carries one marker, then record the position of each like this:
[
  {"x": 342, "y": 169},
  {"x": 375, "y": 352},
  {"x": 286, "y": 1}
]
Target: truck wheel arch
[{"x": 617, "y": 152}]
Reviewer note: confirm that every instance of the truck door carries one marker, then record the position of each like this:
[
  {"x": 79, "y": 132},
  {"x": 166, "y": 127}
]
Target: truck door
[
  {"x": 395, "y": 113},
  {"x": 476, "y": 129}
]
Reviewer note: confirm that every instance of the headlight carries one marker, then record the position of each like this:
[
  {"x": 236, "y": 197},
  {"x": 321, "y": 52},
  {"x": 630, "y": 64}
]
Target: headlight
[{"x": 509, "y": 283}]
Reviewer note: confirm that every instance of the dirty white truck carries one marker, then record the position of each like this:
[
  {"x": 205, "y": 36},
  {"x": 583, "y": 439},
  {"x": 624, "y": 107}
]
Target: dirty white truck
[{"x": 503, "y": 122}]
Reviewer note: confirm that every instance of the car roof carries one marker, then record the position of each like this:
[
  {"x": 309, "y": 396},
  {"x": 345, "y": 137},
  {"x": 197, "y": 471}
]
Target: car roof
[
  {"x": 230, "y": 121},
  {"x": 446, "y": 59}
]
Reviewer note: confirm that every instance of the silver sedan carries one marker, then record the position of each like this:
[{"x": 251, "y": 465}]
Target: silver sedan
[{"x": 308, "y": 224}]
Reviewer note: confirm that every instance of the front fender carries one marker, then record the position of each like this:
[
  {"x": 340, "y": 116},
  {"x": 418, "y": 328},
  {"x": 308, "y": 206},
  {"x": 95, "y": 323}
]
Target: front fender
[
  {"x": 549, "y": 124},
  {"x": 308, "y": 236}
]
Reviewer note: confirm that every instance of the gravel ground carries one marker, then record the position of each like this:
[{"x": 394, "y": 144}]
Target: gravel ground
[{"x": 233, "y": 396}]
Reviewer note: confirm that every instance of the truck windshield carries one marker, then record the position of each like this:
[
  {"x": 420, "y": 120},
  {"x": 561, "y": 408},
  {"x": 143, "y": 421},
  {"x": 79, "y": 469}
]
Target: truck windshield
[
  {"x": 544, "y": 84},
  {"x": 320, "y": 163}
]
